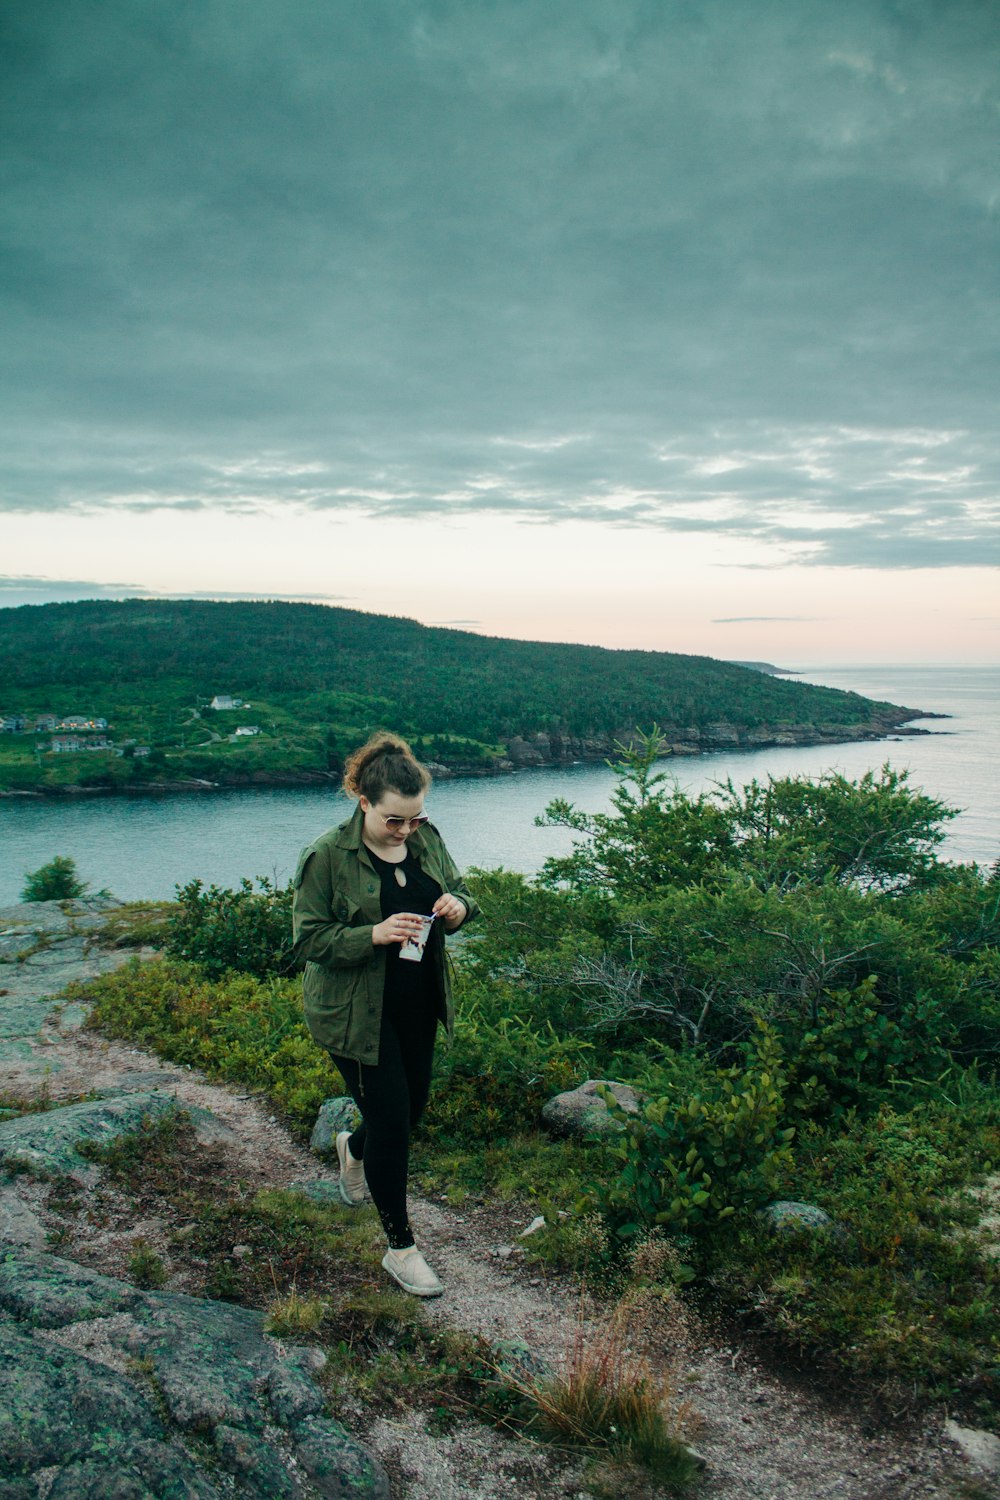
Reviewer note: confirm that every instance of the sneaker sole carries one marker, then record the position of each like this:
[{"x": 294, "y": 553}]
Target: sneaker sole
[{"x": 415, "y": 1291}]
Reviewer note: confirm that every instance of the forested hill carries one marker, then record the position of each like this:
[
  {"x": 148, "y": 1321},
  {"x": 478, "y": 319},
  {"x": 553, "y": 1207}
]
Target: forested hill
[{"x": 313, "y": 671}]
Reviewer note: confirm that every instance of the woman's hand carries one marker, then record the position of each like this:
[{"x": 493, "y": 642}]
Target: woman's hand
[
  {"x": 397, "y": 929},
  {"x": 451, "y": 910}
]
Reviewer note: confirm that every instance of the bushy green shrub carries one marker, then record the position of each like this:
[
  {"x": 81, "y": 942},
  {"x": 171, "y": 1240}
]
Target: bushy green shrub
[
  {"x": 907, "y": 1291},
  {"x": 686, "y": 1163},
  {"x": 498, "y": 1072},
  {"x": 56, "y": 881},
  {"x": 245, "y": 929},
  {"x": 846, "y": 1052}
]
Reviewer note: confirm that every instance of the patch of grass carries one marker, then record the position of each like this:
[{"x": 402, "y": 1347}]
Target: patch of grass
[
  {"x": 609, "y": 1401},
  {"x": 407, "y": 1361},
  {"x": 519, "y": 1167},
  {"x": 137, "y": 924},
  {"x": 294, "y": 1316},
  {"x": 146, "y": 1267},
  {"x": 13, "y": 1105},
  {"x": 153, "y": 1152},
  {"x": 906, "y": 1295}
]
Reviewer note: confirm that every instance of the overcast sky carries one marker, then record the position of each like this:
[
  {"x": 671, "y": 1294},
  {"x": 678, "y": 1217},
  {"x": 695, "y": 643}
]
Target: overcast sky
[{"x": 663, "y": 323}]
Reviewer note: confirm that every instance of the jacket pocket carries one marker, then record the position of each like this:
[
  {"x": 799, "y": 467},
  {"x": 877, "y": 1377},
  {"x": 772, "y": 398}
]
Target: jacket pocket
[{"x": 328, "y": 1002}]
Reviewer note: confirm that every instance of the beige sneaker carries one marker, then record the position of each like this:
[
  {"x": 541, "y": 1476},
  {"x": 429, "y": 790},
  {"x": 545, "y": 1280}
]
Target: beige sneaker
[
  {"x": 352, "y": 1173},
  {"x": 409, "y": 1268}
]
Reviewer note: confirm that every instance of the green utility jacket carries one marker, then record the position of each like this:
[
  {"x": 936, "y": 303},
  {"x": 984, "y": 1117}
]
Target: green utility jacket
[{"x": 336, "y": 904}]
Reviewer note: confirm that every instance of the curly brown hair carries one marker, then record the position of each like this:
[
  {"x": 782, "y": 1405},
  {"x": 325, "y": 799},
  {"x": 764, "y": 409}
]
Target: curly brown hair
[{"x": 385, "y": 764}]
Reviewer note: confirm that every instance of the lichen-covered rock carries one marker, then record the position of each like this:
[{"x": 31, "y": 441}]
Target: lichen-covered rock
[
  {"x": 208, "y": 1358},
  {"x": 339, "y": 1467},
  {"x": 48, "y": 1292},
  {"x": 318, "y": 1190},
  {"x": 57, "y": 1407},
  {"x": 256, "y": 1463},
  {"x": 582, "y": 1112},
  {"x": 146, "y": 1471},
  {"x": 982, "y": 1449},
  {"x": 335, "y": 1115},
  {"x": 24, "y": 1017},
  {"x": 788, "y": 1217},
  {"x": 290, "y": 1391},
  {"x": 519, "y": 1361},
  {"x": 19, "y": 1225},
  {"x": 202, "y": 1367},
  {"x": 47, "y": 1142}
]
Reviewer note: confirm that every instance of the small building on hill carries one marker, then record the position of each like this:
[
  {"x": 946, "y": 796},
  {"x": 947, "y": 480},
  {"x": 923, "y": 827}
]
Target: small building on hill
[
  {"x": 223, "y": 701},
  {"x": 82, "y": 721}
]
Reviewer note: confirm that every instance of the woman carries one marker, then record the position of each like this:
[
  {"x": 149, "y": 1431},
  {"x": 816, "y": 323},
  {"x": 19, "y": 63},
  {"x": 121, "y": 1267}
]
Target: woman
[{"x": 363, "y": 891}]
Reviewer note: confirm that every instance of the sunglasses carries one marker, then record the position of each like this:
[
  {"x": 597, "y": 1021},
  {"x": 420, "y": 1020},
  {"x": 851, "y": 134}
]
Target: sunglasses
[{"x": 396, "y": 825}]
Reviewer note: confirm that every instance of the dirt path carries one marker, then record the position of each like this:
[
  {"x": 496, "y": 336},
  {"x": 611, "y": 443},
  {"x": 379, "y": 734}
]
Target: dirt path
[{"x": 761, "y": 1438}]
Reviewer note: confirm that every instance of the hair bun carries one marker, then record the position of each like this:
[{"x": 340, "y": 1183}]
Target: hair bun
[{"x": 384, "y": 763}]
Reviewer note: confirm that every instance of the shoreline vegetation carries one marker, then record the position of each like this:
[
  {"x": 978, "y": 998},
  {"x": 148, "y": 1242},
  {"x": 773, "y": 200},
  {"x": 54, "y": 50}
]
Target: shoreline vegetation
[{"x": 142, "y": 697}]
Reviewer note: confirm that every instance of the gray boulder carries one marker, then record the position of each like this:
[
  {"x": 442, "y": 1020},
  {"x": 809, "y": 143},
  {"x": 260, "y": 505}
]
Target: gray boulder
[
  {"x": 334, "y": 1116},
  {"x": 338, "y": 1466},
  {"x": 788, "y": 1217},
  {"x": 45, "y": 1291},
  {"x": 48, "y": 1142},
  {"x": 982, "y": 1449},
  {"x": 200, "y": 1370},
  {"x": 582, "y": 1112}
]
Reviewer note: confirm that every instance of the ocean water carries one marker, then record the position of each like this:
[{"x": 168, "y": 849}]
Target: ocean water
[{"x": 145, "y": 847}]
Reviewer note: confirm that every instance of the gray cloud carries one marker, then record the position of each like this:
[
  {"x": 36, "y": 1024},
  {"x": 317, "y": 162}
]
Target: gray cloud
[
  {"x": 602, "y": 260},
  {"x": 767, "y": 619},
  {"x": 17, "y": 589}
]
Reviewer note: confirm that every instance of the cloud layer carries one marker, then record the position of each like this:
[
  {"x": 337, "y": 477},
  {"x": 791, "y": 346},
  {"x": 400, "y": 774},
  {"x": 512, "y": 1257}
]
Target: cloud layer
[{"x": 666, "y": 265}]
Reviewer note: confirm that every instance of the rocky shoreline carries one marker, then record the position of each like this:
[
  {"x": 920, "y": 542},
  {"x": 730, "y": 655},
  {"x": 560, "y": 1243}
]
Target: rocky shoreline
[{"x": 537, "y": 752}]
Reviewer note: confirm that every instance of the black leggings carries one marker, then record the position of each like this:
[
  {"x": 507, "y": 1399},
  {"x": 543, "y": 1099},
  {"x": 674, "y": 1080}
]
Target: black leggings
[{"x": 391, "y": 1098}]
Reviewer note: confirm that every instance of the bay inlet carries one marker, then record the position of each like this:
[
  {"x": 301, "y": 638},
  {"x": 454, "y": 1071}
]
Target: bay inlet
[{"x": 143, "y": 848}]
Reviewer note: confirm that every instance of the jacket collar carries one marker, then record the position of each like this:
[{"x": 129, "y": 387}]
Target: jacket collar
[
  {"x": 349, "y": 833},
  {"x": 349, "y": 836}
]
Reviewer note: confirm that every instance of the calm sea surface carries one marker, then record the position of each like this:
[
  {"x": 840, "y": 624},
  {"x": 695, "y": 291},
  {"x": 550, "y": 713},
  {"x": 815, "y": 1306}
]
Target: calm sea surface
[{"x": 142, "y": 848}]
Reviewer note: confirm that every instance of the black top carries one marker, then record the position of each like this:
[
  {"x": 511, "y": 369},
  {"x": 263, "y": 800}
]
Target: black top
[{"x": 407, "y": 982}]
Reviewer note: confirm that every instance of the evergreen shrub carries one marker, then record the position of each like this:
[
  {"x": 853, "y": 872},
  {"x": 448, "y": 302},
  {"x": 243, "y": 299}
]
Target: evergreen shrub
[
  {"x": 56, "y": 881},
  {"x": 688, "y": 1162},
  {"x": 243, "y": 929}
]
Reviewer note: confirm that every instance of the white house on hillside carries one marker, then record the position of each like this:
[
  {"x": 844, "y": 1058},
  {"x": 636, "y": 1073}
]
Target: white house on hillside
[{"x": 224, "y": 701}]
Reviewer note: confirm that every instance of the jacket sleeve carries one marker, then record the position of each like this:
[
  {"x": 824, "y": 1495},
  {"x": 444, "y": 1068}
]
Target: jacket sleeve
[{"x": 322, "y": 931}]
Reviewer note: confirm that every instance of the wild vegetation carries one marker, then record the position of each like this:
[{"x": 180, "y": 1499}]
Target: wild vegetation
[
  {"x": 806, "y": 999},
  {"x": 56, "y": 881},
  {"x": 315, "y": 681}
]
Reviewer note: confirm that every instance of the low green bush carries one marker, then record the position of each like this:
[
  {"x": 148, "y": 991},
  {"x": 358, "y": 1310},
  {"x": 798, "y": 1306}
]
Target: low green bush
[
  {"x": 245, "y": 929},
  {"x": 905, "y": 1291},
  {"x": 498, "y": 1072},
  {"x": 240, "y": 1029},
  {"x": 686, "y": 1162}
]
